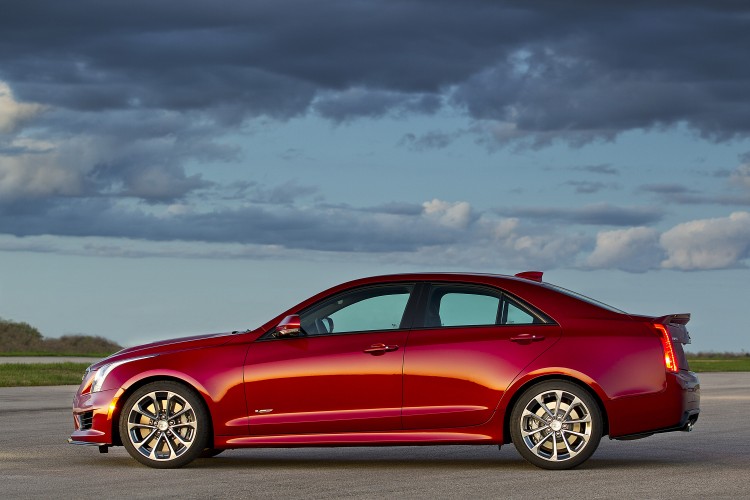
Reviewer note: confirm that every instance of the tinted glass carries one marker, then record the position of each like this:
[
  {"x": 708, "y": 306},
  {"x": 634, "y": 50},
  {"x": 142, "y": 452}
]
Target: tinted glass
[
  {"x": 465, "y": 305},
  {"x": 457, "y": 309},
  {"x": 370, "y": 309},
  {"x": 516, "y": 316}
]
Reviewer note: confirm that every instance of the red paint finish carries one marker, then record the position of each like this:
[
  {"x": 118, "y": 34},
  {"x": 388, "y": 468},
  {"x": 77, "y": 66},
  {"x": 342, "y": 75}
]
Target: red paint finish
[
  {"x": 409, "y": 384},
  {"x": 455, "y": 377},
  {"x": 325, "y": 383}
]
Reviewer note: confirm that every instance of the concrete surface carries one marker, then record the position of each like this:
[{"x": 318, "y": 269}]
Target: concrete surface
[{"x": 710, "y": 462}]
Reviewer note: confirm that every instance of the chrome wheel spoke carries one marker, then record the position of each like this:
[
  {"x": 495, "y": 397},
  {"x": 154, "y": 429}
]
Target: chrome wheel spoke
[
  {"x": 137, "y": 425},
  {"x": 154, "y": 449},
  {"x": 558, "y": 396},
  {"x": 144, "y": 412},
  {"x": 573, "y": 404},
  {"x": 579, "y": 434},
  {"x": 554, "y": 446},
  {"x": 571, "y": 453},
  {"x": 170, "y": 430},
  {"x": 180, "y": 413},
  {"x": 526, "y": 433},
  {"x": 156, "y": 402},
  {"x": 546, "y": 426},
  {"x": 535, "y": 448},
  {"x": 541, "y": 402},
  {"x": 172, "y": 452},
  {"x": 185, "y": 424},
  {"x": 144, "y": 440},
  {"x": 527, "y": 413},
  {"x": 183, "y": 442},
  {"x": 584, "y": 420}
]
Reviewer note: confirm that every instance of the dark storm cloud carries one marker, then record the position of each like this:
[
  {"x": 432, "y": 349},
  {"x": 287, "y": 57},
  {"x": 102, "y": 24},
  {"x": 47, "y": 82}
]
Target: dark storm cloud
[
  {"x": 578, "y": 71},
  {"x": 120, "y": 96},
  {"x": 329, "y": 229},
  {"x": 598, "y": 214}
]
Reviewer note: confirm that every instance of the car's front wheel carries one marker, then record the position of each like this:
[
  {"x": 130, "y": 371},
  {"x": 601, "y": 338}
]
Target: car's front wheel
[
  {"x": 556, "y": 425},
  {"x": 164, "y": 424}
]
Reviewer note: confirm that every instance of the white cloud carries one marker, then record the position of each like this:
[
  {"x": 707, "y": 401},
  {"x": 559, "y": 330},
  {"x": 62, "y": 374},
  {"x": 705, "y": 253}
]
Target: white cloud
[
  {"x": 708, "y": 243},
  {"x": 32, "y": 175},
  {"x": 635, "y": 249},
  {"x": 12, "y": 112},
  {"x": 454, "y": 215}
]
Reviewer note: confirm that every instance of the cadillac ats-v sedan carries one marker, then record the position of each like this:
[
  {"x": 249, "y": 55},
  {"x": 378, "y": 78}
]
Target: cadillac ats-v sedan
[{"x": 412, "y": 359}]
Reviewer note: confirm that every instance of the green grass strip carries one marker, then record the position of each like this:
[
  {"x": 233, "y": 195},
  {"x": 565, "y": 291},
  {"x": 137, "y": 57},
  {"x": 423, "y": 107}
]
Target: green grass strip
[
  {"x": 18, "y": 354},
  {"x": 34, "y": 374},
  {"x": 719, "y": 365}
]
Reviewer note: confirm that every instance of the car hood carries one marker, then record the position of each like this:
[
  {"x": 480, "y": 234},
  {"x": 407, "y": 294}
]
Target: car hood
[{"x": 169, "y": 345}]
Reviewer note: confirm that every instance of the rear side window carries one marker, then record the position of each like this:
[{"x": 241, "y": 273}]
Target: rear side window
[
  {"x": 514, "y": 315},
  {"x": 458, "y": 309},
  {"x": 464, "y": 305}
]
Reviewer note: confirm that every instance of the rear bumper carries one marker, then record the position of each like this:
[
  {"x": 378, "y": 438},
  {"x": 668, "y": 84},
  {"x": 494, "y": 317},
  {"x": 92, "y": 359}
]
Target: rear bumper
[
  {"x": 92, "y": 418},
  {"x": 676, "y": 408}
]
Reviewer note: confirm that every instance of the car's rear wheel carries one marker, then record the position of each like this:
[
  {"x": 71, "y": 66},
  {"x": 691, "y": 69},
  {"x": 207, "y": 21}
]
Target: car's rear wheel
[
  {"x": 164, "y": 425},
  {"x": 556, "y": 425}
]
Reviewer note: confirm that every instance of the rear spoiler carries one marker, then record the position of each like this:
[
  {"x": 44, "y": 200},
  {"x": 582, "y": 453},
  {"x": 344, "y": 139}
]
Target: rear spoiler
[{"x": 675, "y": 324}]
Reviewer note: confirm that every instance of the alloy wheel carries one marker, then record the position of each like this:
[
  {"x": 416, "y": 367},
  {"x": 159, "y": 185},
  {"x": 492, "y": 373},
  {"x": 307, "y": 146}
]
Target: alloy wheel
[{"x": 556, "y": 425}]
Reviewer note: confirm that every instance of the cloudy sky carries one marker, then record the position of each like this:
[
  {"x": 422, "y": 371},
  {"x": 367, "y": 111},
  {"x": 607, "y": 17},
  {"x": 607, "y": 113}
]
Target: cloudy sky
[{"x": 173, "y": 167}]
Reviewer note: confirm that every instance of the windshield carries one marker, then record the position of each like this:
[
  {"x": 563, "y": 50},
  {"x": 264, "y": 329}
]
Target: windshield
[{"x": 584, "y": 298}]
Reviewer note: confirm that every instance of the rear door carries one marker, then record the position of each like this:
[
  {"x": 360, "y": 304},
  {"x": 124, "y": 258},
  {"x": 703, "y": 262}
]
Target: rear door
[{"x": 469, "y": 344}]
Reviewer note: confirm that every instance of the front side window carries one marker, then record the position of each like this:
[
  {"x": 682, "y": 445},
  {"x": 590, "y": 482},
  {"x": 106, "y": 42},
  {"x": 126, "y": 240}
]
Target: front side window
[
  {"x": 462, "y": 305},
  {"x": 368, "y": 309}
]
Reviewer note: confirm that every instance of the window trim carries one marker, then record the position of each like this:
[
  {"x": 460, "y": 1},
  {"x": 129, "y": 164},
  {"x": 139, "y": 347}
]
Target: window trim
[
  {"x": 407, "y": 319},
  {"x": 503, "y": 295}
]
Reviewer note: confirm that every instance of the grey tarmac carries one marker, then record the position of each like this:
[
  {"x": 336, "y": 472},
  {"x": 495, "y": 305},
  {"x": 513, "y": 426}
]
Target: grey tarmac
[{"x": 710, "y": 462}]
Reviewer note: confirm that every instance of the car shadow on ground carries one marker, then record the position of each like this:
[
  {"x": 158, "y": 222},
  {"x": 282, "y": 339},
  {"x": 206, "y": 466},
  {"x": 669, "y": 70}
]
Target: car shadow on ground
[{"x": 473, "y": 464}]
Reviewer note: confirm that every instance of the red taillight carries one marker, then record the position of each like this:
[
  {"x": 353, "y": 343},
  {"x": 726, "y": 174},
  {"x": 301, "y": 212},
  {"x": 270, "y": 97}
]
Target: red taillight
[{"x": 670, "y": 361}]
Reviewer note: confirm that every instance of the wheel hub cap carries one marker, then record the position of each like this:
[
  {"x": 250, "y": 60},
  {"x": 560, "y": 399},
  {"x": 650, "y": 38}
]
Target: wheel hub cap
[
  {"x": 162, "y": 425},
  {"x": 556, "y": 425}
]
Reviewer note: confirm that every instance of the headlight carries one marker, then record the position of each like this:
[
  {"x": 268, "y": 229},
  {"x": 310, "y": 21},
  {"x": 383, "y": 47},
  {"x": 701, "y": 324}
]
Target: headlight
[
  {"x": 100, "y": 375},
  {"x": 86, "y": 380}
]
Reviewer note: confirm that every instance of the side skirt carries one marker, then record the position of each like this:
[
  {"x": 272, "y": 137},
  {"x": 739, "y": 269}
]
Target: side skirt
[{"x": 355, "y": 439}]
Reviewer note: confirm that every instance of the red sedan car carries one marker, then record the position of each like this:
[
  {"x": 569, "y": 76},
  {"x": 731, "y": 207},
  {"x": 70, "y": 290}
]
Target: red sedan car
[{"x": 411, "y": 359}]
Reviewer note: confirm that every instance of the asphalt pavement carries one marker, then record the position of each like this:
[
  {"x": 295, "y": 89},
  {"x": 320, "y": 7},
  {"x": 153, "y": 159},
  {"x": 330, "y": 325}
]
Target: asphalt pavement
[{"x": 710, "y": 462}]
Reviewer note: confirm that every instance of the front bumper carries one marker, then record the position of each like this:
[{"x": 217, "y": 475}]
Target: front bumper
[{"x": 93, "y": 417}]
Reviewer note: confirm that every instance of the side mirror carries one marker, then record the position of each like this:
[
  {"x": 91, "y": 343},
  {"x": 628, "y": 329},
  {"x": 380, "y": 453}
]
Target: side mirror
[{"x": 289, "y": 326}]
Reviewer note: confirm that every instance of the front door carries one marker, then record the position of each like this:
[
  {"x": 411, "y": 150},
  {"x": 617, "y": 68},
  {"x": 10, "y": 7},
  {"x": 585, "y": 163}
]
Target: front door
[{"x": 343, "y": 374}]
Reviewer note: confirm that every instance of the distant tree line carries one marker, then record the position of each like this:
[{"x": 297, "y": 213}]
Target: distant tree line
[{"x": 20, "y": 337}]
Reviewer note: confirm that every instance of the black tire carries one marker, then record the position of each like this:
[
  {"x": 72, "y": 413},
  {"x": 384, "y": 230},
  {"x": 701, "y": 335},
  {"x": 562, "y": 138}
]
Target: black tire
[
  {"x": 210, "y": 452},
  {"x": 556, "y": 425},
  {"x": 164, "y": 425}
]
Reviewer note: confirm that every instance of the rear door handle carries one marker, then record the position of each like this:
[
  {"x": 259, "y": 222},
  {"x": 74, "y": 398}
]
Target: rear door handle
[
  {"x": 378, "y": 349},
  {"x": 526, "y": 338}
]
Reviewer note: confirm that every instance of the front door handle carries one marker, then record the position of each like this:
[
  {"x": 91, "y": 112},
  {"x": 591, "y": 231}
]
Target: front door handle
[
  {"x": 378, "y": 349},
  {"x": 526, "y": 338}
]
